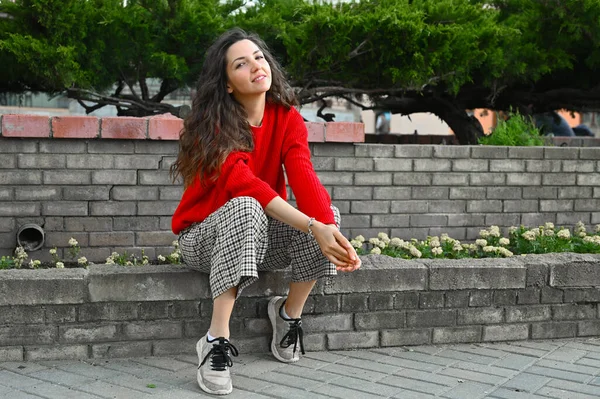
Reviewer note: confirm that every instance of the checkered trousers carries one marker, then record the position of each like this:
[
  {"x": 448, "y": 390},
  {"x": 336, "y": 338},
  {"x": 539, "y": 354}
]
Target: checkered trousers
[{"x": 238, "y": 240}]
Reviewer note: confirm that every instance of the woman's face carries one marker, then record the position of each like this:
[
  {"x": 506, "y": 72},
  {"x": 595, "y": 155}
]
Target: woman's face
[{"x": 248, "y": 72}]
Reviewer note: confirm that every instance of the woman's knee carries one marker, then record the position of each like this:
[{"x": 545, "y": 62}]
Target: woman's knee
[{"x": 248, "y": 207}]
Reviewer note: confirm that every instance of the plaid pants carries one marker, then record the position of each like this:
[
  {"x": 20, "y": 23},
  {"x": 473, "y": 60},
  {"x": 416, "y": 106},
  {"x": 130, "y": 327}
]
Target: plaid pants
[{"x": 238, "y": 240}]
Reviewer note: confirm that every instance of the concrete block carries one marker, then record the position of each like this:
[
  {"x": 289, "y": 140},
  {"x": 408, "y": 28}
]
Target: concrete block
[
  {"x": 552, "y": 295},
  {"x": 370, "y": 207},
  {"x": 570, "y": 218},
  {"x": 69, "y": 177},
  {"x": 20, "y": 177},
  {"x": 353, "y": 340},
  {"x": 138, "y": 162},
  {"x": 65, "y": 208},
  {"x": 446, "y": 335},
  {"x": 153, "y": 330},
  {"x": 88, "y": 224},
  {"x": 330, "y": 304},
  {"x": 452, "y": 179},
  {"x": 354, "y": 164},
  {"x": 18, "y": 145},
  {"x": 584, "y": 329},
  {"x": 470, "y": 165},
  {"x": 87, "y": 333},
  {"x": 431, "y": 318},
  {"x": 393, "y": 164},
  {"x": 154, "y": 238},
  {"x": 431, "y": 300},
  {"x": 458, "y": 193},
  {"x": 507, "y": 165},
  {"x": 353, "y": 193},
  {"x": 561, "y": 153},
  {"x": 155, "y": 178},
  {"x": 170, "y": 193},
  {"x": 411, "y": 206},
  {"x": 528, "y": 296},
  {"x": 489, "y": 152},
  {"x": 327, "y": 322},
  {"x": 323, "y": 163},
  {"x": 414, "y": 151},
  {"x": 587, "y": 205},
  {"x": 41, "y": 161},
  {"x": 573, "y": 311},
  {"x": 432, "y": 165},
  {"x": 523, "y": 314},
  {"x": 521, "y": 205},
  {"x": 122, "y": 349},
  {"x": 86, "y": 193},
  {"x": 56, "y": 352},
  {"x": 540, "y": 192},
  {"x": 524, "y": 179},
  {"x": 457, "y": 299},
  {"x": 10, "y": 315},
  {"x": 433, "y": 193},
  {"x": 464, "y": 219},
  {"x": 582, "y": 271},
  {"x": 44, "y": 286},
  {"x": 543, "y": 166},
  {"x": 156, "y": 147},
  {"x": 484, "y": 206},
  {"x": 406, "y": 300},
  {"x": 335, "y": 150},
  {"x": 131, "y": 193},
  {"x": 480, "y": 316},
  {"x": 401, "y": 337},
  {"x": 371, "y": 179},
  {"x": 90, "y": 161},
  {"x": 475, "y": 274},
  {"x": 381, "y": 301},
  {"x": 60, "y": 314},
  {"x": 480, "y": 298},
  {"x": 553, "y": 330},
  {"x": 413, "y": 179},
  {"x": 32, "y": 334},
  {"x": 169, "y": 347},
  {"x": 150, "y": 283},
  {"x": 379, "y": 320},
  {"x": 374, "y": 150},
  {"x": 526, "y": 152},
  {"x": 578, "y": 166},
  {"x": 11, "y": 354},
  {"x": 582, "y": 295},
  {"x": 428, "y": 220},
  {"x": 592, "y": 179},
  {"x": 509, "y": 332},
  {"x": 390, "y": 275},
  {"x": 112, "y": 208},
  {"x": 37, "y": 193},
  {"x": 444, "y": 151}
]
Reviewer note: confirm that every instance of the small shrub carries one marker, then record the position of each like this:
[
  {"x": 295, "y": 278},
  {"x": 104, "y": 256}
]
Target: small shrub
[{"x": 518, "y": 130}]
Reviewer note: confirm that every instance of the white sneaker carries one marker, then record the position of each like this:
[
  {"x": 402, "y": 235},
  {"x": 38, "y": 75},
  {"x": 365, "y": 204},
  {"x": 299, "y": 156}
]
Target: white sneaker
[
  {"x": 287, "y": 333},
  {"x": 214, "y": 362}
]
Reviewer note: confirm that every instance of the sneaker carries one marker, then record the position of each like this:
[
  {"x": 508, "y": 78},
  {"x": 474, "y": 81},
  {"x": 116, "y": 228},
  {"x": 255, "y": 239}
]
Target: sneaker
[
  {"x": 287, "y": 333},
  {"x": 214, "y": 363}
]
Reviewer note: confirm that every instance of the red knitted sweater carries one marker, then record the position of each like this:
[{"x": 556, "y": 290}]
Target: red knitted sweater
[{"x": 281, "y": 141}]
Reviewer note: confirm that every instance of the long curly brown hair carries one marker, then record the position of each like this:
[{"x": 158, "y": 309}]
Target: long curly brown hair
[{"x": 217, "y": 124}]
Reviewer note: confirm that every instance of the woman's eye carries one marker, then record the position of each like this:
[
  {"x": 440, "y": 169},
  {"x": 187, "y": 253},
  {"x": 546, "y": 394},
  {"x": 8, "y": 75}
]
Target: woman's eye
[
  {"x": 260, "y": 57},
  {"x": 239, "y": 65}
]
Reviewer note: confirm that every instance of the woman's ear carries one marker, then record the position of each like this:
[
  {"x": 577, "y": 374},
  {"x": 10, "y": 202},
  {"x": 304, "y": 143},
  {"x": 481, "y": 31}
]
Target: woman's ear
[{"x": 229, "y": 89}]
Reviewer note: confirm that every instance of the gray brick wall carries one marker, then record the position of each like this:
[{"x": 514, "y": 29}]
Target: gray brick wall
[
  {"x": 90, "y": 188},
  {"x": 161, "y": 310}
]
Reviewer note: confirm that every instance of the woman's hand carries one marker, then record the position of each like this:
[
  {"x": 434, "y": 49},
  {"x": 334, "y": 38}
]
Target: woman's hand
[{"x": 336, "y": 247}]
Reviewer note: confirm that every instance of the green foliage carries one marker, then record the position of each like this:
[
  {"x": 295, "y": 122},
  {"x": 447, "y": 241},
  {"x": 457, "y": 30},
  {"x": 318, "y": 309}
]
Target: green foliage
[
  {"x": 7, "y": 262},
  {"x": 518, "y": 130}
]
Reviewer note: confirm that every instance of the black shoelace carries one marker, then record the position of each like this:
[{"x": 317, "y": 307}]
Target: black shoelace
[
  {"x": 219, "y": 355},
  {"x": 294, "y": 334}
]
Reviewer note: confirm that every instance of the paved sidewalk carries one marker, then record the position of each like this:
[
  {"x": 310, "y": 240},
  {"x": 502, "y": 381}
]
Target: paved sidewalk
[{"x": 536, "y": 369}]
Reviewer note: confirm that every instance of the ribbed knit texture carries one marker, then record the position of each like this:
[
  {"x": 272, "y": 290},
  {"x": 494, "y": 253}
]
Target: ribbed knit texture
[{"x": 281, "y": 141}]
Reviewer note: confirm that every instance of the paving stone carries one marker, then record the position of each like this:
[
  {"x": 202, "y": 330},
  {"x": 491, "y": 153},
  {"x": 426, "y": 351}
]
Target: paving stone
[
  {"x": 568, "y": 355},
  {"x": 553, "y": 364},
  {"x": 467, "y": 357},
  {"x": 341, "y": 392},
  {"x": 288, "y": 380},
  {"x": 503, "y": 393},
  {"x": 370, "y": 387},
  {"x": 562, "y": 375},
  {"x": 54, "y": 391},
  {"x": 515, "y": 362},
  {"x": 293, "y": 393},
  {"x": 563, "y": 394},
  {"x": 471, "y": 375},
  {"x": 14, "y": 380},
  {"x": 414, "y": 385},
  {"x": 497, "y": 371},
  {"x": 107, "y": 390},
  {"x": 526, "y": 382},
  {"x": 420, "y": 357},
  {"x": 63, "y": 377},
  {"x": 317, "y": 375},
  {"x": 469, "y": 389},
  {"x": 11, "y": 394},
  {"x": 22, "y": 367},
  {"x": 575, "y": 387}
]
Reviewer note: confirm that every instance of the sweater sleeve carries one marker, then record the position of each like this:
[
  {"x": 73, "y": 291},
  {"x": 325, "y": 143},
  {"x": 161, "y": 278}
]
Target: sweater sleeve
[
  {"x": 240, "y": 181},
  {"x": 311, "y": 196}
]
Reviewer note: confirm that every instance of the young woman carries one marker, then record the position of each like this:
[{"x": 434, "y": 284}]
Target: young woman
[{"x": 233, "y": 220}]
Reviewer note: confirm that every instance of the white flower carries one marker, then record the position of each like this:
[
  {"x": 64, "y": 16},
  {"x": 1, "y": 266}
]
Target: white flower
[
  {"x": 549, "y": 233},
  {"x": 415, "y": 252},
  {"x": 356, "y": 244},
  {"x": 434, "y": 243},
  {"x": 396, "y": 242},
  {"x": 383, "y": 237},
  {"x": 481, "y": 242},
  {"x": 34, "y": 263},
  {"x": 484, "y": 233},
  {"x": 495, "y": 231},
  {"x": 53, "y": 251},
  {"x": 110, "y": 261},
  {"x": 536, "y": 231},
  {"x": 597, "y": 228},
  {"x": 529, "y": 235},
  {"x": 437, "y": 251},
  {"x": 504, "y": 241},
  {"x": 580, "y": 226},
  {"x": 376, "y": 251},
  {"x": 512, "y": 229},
  {"x": 73, "y": 242},
  {"x": 114, "y": 255},
  {"x": 145, "y": 261},
  {"x": 175, "y": 244},
  {"x": 82, "y": 261},
  {"x": 175, "y": 255},
  {"x": 457, "y": 247},
  {"x": 564, "y": 234},
  {"x": 582, "y": 234},
  {"x": 360, "y": 238},
  {"x": 382, "y": 244},
  {"x": 161, "y": 258},
  {"x": 549, "y": 226},
  {"x": 128, "y": 263},
  {"x": 489, "y": 248},
  {"x": 505, "y": 252},
  {"x": 60, "y": 265},
  {"x": 374, "y": 241},
  {"x": 444, "y": 237}
]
